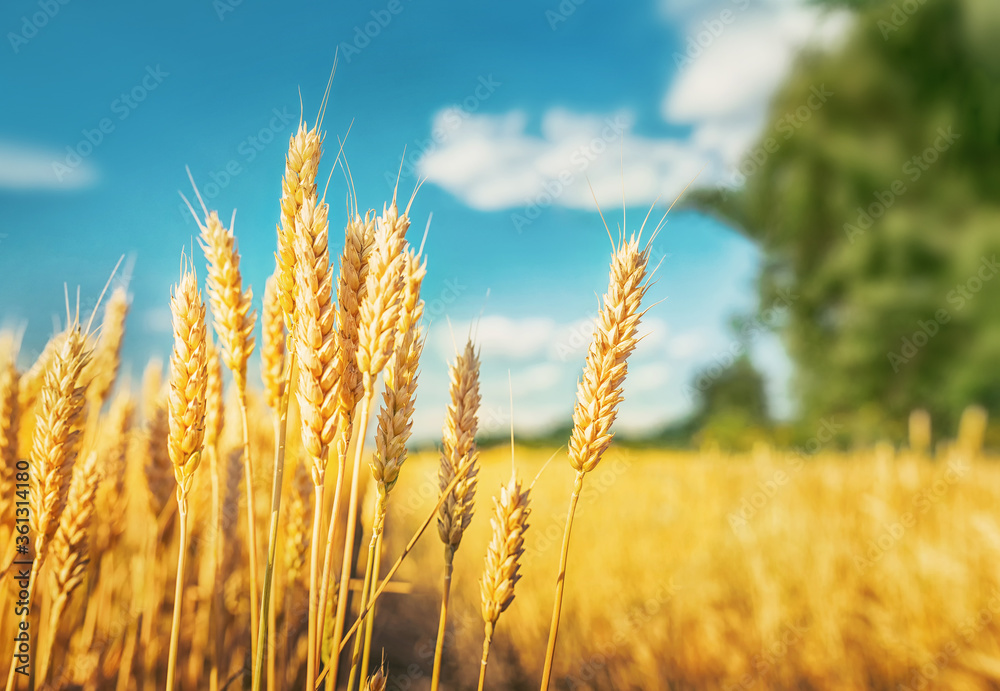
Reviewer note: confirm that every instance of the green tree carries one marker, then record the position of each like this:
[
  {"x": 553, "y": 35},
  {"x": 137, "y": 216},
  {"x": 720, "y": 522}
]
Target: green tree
[
  {"x": 732, "y": 407},
  {"x": 876, "y": 207}
]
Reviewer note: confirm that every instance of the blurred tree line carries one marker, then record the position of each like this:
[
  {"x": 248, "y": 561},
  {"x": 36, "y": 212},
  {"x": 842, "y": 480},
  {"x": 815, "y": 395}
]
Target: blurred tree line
[{"x": 880, "y": 214}]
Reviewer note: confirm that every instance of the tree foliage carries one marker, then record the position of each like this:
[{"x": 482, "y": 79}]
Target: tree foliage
[{"x": 880, "y": 212}]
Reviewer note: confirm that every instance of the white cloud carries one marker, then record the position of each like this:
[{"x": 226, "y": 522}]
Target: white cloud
[
  {"x": 733, "y": 76},
  {"x": 25, "y": 167},
  {"x": 494, "y": 162}
]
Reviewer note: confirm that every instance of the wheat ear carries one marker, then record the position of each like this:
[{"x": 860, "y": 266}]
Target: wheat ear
[
  {"x": 234, "y": 321},
  {"x": 458, "y": 449},
  {"x": 70, "y": 553},
  {"x": 395, "y": 422},
  {"x": 187, "y": 403},
  {"x": 359, "y": 237},
  {"x": 503, "y": 559},
  {"x": 56, "y": 443},
  {"x": 378, "y": 314},
  {"x": 600, "y": 391},
  {"x": 272, "y": 352},
  {"x": 297, "y": 185},
  {"x": 318, "y": 391}
]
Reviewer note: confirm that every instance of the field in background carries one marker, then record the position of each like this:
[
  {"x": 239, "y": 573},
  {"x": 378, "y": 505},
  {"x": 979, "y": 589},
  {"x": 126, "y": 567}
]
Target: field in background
[{"x": 874, "y": 570}]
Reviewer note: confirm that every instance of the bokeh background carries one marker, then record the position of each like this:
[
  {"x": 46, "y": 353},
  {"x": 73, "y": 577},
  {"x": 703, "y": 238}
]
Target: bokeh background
[{"x": 833, "y": 259}]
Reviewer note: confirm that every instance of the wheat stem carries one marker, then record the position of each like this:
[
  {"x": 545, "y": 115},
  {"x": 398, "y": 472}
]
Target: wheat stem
[
  {"x": 331, "y": 537},
  {"x": 281, "y": 425},
  {"x": 550, "y": 648},
  {"x": 449, "y": 559},
  {"x": 370, "y": 629},
  {"x": 487, "y": 640},
  {"x": 352, "y": 516},
  {"x": 175, "y": 625}
]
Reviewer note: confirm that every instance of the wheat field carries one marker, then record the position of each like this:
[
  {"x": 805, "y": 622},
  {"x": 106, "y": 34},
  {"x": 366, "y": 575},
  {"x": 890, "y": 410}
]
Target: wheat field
[{"x": 199, "y": 532}]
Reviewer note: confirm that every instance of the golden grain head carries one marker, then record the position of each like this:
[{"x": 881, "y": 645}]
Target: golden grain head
[
  {"x": 58, "y": 430},
  {"x": 317, "y": 339},
  {"x": 503, "y": 556},
  {"x": 297, "y": 185},
  {"x": 215, "y": 404},
  {"x": 188, "y": 381},
  {"x": 359, "y": 239},
  {"x": 272, "y": 352},
  {"x": 459, "y": 447},
  {"x": 395, "y": 419},
  {"x": 70, "y": 545},
  {"x": 232, "y": 311},
  {"x": 600, "y": 389},
  {"x": 380, "y": 305}
]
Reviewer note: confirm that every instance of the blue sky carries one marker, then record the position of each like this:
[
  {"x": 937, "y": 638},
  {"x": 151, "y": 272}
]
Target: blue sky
[{"x": 507, "y": 110}]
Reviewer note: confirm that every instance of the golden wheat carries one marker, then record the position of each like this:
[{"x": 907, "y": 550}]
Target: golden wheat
[
  {"x": 298, "y": 184},
  {"x": 272, "y": 352},
  {"x": 503, "y": 559}
]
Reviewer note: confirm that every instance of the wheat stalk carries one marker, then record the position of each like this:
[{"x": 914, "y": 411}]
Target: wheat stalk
[
  {"x": 70, "y": 554},
  {"x": 55, "y": 446},
  {"x": 458, "y": 450},
  {"x": 351, "y": 285},
  {"x": 378, "y": 313},
  {"x": 599, "y": 391},
  {"x": 234, "y": 322},
  {"x": 298, "y": 524},
  {"x": 318, "y": 391},
  {"x": 395, "y": 422},
  {"x": 187, "y": 403},
  {"x": 503, "y": 559}
]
